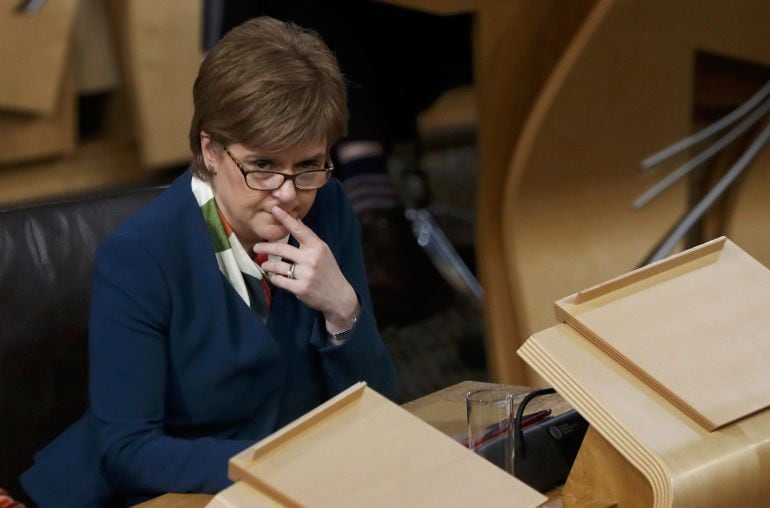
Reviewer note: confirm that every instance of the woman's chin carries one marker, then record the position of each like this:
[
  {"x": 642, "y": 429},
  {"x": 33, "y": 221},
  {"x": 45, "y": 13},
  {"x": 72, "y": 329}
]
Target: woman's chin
[{"x": 272, "y": 233}]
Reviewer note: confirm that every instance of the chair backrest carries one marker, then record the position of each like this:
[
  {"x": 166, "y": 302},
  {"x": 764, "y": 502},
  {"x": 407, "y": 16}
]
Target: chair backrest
[{"x": 46, "y": 262}]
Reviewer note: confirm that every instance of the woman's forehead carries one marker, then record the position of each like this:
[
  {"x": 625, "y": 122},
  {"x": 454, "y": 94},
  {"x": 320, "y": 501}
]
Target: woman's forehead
[{"x": 301, "y": 150}]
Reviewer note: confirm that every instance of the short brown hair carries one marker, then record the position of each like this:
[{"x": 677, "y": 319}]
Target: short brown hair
[{"x": 268, "y": 84}]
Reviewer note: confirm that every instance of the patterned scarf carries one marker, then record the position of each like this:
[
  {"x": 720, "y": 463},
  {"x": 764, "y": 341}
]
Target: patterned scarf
[{"x": 244, "y": 274}]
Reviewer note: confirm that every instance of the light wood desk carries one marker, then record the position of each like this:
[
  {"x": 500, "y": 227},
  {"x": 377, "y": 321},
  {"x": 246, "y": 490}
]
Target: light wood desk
[{"x": 444, "y": 410}]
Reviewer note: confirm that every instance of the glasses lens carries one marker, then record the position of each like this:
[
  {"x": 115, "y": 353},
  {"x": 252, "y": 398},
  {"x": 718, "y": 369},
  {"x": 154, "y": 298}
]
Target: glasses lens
[
  {"x": 311, "y": 179},
  {"x": 264, "y": 180}
]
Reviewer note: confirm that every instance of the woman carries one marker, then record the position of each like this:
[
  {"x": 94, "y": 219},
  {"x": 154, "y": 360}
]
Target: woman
[
  {"x": 404, "y": 284},
  {"x": 196, "y": 349}
]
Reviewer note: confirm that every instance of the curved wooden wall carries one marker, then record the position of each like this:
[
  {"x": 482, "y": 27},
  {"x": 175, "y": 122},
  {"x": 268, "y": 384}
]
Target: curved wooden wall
[
  {"x": 622, "y": 90},
  {"x": 516, "y": 46}
]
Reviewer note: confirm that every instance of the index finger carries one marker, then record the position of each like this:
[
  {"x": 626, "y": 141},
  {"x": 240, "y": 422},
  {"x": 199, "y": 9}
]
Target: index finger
[{"x": 297, "y": 229}]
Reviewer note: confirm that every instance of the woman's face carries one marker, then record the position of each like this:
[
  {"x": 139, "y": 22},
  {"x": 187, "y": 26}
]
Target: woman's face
[{"x": 248, "y": 210}]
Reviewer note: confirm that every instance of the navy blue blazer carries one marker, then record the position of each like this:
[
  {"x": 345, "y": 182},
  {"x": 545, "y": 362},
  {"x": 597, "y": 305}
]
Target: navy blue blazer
[{"x": 183, "y": 373}]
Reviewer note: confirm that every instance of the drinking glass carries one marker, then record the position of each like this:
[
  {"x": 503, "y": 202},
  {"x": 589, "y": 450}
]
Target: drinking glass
[{"x": 490, "y": 425}]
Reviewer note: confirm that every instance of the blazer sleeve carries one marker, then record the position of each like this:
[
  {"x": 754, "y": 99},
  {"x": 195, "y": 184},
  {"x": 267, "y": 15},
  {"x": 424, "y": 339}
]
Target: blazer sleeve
[
  {"x": 363, "y": 356},
  {"x": 128, "y": 330}
]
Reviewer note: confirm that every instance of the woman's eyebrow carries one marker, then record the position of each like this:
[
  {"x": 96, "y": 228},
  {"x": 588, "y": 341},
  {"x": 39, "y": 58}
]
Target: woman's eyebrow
[
  {"x": 254, "y": 157},
  {"x": 315, "y": 158}
]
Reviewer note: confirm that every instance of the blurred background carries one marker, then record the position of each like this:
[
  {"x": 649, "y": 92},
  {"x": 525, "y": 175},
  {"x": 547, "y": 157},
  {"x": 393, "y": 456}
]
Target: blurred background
[{"x": 529, "y": 171}]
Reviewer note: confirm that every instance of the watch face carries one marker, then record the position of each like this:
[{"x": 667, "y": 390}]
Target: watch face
[
  {"x": 341, "y": 336},
  {"x": 344, "y": 334}
]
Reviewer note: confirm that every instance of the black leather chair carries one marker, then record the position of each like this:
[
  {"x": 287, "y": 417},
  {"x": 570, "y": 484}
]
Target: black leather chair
[{"x": 46, "y": 262}]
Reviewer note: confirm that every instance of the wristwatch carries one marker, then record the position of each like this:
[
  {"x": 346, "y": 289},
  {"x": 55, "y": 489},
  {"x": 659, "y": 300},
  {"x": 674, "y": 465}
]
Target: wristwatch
[{"x": 340, "y": 337}]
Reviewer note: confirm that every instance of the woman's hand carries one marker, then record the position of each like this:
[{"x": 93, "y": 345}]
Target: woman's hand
[{"x": 316, "y": 278}]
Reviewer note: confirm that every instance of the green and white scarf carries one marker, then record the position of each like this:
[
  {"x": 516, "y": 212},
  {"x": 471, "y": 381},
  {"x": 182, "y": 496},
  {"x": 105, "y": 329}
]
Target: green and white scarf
[{"x": 233, "y": 260}]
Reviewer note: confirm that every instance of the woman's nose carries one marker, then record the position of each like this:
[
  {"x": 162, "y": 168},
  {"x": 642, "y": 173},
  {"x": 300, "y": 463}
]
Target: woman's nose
[{"x": 286, "y": 192}]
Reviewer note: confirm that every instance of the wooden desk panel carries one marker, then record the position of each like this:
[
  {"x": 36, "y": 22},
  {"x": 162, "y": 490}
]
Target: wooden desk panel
[
  {"x": 33, "y": 55},
  {"x": 160, "y": 45},
  {"x": 443, "y": 7},
  {"x": 30, "y": 137},
  {"x": 444, "y": 410},
  {"x": 676, "y": 461}
]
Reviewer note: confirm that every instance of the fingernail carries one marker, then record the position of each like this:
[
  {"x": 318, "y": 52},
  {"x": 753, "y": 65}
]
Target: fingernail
[{"x": 277, "y": 210}]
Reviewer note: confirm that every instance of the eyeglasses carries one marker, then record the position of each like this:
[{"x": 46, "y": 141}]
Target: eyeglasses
[{"x": 266, "y": 180}]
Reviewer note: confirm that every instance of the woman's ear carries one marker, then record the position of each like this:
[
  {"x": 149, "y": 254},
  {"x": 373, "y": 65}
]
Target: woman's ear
[
  {"x": 208, "y": 150},
  {"x": 210, "y": 153}
]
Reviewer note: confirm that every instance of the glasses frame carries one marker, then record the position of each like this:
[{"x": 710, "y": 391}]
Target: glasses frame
[{"x": 328, "y": 170}]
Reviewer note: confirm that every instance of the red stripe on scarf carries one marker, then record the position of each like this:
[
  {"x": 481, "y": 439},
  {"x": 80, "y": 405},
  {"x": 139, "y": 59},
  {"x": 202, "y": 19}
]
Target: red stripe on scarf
[{"x": 258, "y": 259}]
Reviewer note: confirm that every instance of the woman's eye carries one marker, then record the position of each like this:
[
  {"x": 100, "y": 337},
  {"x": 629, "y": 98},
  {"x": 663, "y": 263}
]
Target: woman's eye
[
  {"x": 311, "y": 165},
  {"x": 259, "y": 164}
]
